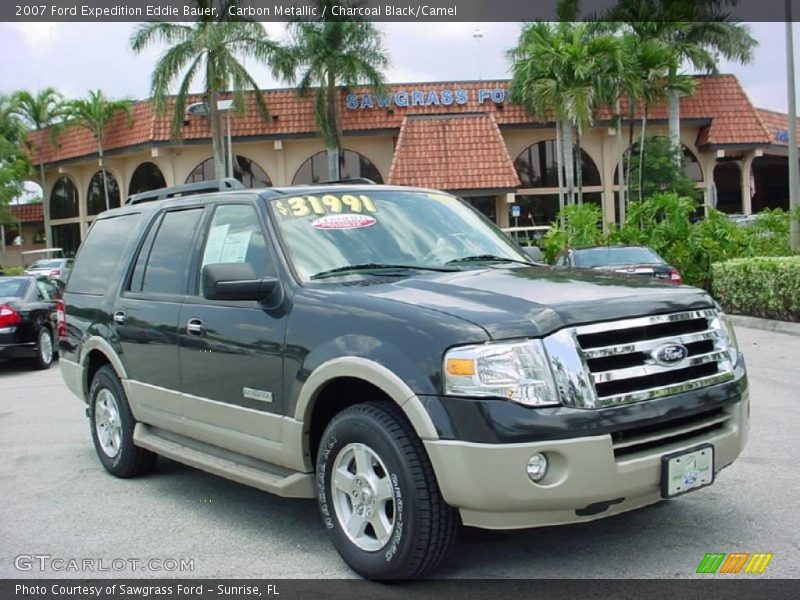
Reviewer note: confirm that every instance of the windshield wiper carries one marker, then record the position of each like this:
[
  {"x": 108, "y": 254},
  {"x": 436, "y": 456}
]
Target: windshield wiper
[
  {"x": 488, "y": 258},
  {"x": 371, "y": 266}
]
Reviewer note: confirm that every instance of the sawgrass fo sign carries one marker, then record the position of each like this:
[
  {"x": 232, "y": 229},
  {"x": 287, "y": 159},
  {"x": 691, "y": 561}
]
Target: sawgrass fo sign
[{"x": 406, "y": 98}]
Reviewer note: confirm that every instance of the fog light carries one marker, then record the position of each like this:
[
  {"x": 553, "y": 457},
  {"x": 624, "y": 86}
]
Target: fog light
[{"x": 537, "y": 467}]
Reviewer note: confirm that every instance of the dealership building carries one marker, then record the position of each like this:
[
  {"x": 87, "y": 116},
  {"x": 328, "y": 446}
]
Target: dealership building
[{"x": 465, "y": 137}]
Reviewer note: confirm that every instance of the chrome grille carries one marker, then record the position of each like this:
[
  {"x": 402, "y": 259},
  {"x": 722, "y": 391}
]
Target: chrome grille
[{"x": 622, "y": 362}]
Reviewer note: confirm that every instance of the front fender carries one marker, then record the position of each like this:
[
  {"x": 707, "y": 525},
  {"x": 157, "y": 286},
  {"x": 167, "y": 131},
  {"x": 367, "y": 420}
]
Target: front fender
[{"x": 374, "y": 373}]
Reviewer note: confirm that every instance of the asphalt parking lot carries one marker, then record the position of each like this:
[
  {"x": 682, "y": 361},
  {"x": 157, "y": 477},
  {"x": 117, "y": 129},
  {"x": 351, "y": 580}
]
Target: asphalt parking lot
[{"x": 56, "y": 500}]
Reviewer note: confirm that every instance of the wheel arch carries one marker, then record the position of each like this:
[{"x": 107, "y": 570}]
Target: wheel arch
[
  {"x": 96, "y": 353},
  {"x": 319, "y": 399}
]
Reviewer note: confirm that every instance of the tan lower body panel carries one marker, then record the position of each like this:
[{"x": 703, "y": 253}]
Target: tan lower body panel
[
  {"x": 489, "y": 484},
  {"x": 263, "y": 476}
]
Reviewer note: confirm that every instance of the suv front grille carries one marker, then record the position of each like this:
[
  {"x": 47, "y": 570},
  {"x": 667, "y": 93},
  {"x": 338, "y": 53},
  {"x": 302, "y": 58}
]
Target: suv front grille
[{"x": 628, "y": 361}]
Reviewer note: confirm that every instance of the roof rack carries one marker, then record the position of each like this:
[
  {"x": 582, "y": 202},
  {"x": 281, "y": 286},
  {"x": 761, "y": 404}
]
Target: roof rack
[
  {"x": 188, "y": 189},
  {"x": 347, "y": 180}
]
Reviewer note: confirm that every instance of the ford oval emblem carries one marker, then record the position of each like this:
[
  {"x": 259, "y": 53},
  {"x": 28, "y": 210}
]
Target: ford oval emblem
[{"x": 669, "y": 354}]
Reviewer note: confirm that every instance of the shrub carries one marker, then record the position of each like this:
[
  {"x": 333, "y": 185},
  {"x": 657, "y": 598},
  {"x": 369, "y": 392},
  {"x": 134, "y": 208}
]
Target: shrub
[
  {"x": 766, "y": 287},
  {"x": 12, "y": 270},
  {"x": 581, "y": 227},
  {"x": 661, "y": 170}
]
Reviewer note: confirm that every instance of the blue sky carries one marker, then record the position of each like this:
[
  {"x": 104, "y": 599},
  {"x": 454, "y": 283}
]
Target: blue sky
[{"x": 76, "y": 57}]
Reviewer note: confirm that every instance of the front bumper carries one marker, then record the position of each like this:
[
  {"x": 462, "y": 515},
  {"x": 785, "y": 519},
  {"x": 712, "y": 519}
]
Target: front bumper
[{"x": 589, "y": 477}]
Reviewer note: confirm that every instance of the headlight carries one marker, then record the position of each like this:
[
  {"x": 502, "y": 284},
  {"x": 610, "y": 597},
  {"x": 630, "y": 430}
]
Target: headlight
[
  {"x": 728, "y": 341},
  {"x": 517, "y": 371}
]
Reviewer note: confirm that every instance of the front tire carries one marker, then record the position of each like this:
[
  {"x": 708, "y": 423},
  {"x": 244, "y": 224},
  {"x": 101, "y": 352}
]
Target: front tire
[
  {"x": 379, "y": 497},
  {"x": 44, "y": 349},
  {"x": 112, "y": 424}
]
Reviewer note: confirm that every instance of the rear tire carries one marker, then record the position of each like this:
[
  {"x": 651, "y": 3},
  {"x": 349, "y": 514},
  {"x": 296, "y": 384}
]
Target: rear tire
[
  {"x": 379, "y": 497},
  {"x": 112, "y": 424},
  {"x": 44, "y": 349}
]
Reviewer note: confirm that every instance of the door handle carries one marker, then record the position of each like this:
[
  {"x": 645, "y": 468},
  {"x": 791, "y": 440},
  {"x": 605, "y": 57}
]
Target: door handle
[
  {"x": 195, "y": 326},
  {"x": 120, "y": 317}
]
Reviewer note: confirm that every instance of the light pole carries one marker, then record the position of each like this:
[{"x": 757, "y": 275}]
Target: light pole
[
  {"x": 477, "y": 35},
  {"x": 226, "y": 106},
  {"x": 202, "y": 109},
  {"x": 794, "y": 167}
]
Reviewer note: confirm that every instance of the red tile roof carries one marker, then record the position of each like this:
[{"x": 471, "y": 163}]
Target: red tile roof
[
  {"x": 27, "y": 213},
  {"x": 777, "y": 125},
  {"x": 452, "y": 152},
  {"x": 719, "y": 99}
]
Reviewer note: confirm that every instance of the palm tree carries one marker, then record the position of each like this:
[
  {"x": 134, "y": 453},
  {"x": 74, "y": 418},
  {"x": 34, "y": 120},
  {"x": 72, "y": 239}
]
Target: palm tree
[
  {"x": 14, "y": 164},
  {"x": 564, "y": 69},
  {"x": 212, "y": 50},
  {"x": 94, "y": 113},
  {"x": 326, "y": 54},
  {"x": 42, "y": 110},
  {"x": 699, "y": 32}
]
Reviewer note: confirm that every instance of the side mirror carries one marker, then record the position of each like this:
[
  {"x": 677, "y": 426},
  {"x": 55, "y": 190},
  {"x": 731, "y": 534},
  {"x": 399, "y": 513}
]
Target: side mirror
[
  {"x": 235, "y": 281},
  {"x": 534, "y": 253}
]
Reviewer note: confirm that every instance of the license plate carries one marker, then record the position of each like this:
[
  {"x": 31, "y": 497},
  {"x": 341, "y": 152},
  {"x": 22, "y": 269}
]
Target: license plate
[{"x": 687, "y": 470}]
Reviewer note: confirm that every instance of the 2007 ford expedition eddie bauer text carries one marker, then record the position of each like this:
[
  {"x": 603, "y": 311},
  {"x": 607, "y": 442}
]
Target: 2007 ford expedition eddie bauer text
[{"x": 391, "y": 353}]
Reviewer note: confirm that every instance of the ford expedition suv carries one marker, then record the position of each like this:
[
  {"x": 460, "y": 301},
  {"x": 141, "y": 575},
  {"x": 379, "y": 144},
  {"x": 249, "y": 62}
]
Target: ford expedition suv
[{"x": 391, "y": 353}]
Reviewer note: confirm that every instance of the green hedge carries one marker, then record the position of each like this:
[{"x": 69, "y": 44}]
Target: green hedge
[
  {"x": 766, "y": 287},
  {"x": 12, "y": 270}
]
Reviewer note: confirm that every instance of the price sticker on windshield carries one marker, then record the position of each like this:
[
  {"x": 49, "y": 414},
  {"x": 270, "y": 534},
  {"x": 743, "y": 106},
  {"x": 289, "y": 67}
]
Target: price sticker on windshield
[{"x": 327, "y": 204}]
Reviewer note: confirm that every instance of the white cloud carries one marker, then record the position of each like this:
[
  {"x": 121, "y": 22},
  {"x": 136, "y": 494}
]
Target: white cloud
[{"x": 39, "y": 37}]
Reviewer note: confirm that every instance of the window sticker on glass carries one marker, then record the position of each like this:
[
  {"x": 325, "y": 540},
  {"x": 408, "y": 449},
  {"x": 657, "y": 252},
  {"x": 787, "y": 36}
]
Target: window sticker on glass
[
  {"x": 214, "y": 244},
  {"x": 304, "y": 206},
  {"x": 346, "y": 221},
  {"x": 235, "y": 248},
  {"x": 225, "y": 247}
]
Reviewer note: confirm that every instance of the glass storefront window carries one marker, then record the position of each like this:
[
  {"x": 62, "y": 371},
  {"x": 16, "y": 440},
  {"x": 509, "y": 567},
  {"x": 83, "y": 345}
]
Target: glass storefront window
[
  {"x": 146, "y": 177},
  {"x": 315, "y": 169},
  {"x": 245, "y": 170},
  {"x": 537, "y": 167},
  {"x": 542, "y": 210},
  {"x": 63, "y": 200},
  {"x": 67, "y": 237},
  {"x": 95, "y": 196}
]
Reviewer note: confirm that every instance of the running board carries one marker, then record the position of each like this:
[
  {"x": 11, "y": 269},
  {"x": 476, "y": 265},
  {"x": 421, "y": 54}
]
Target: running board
[{"x": 289, "y": 484}]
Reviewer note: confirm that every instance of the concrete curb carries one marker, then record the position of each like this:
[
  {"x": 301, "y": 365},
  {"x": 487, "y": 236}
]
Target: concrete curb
[{"x": 784, "y": 327}]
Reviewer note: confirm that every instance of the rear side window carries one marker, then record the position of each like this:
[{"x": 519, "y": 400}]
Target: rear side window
[
  {"x": 100, "y": 254},
  {"x": 162, "y": 265}
]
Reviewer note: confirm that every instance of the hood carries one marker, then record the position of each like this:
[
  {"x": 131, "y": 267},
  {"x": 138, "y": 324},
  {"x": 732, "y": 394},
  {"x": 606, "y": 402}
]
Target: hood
[{"x": 517, "y": 301}]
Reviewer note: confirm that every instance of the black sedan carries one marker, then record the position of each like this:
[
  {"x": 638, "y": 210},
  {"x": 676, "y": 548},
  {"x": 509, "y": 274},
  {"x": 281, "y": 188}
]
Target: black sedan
[
  {"x": 28, "y": 318},
  {"x": 634, "y": 260}
]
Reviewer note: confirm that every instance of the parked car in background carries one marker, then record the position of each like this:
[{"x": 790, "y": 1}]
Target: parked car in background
[
  {"x": 28, "y": 318},
  {"x": 634, "y": 260},
  {"x": 57, "y": 268}
]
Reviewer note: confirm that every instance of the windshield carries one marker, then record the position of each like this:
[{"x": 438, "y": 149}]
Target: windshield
[
  {"x": 53, "y": 263},
  {"x": 13, "y": 288},
  {"x": 589, "y": 258},
  {"x": 385, "y": 227}
]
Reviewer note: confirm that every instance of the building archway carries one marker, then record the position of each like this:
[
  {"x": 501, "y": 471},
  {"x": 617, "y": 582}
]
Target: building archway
[
  {"x": 245, "y": 170},
  {"x": 95, "y": 194},
  {"x": 728, "y": 185},
  {"x": 315, "y": 169},
  {"x": 145, "y": 178},
  {"x": 63, "y": 199},
  {"x": 770, "y": 181},
  {"x": 537, "y": 167}
]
